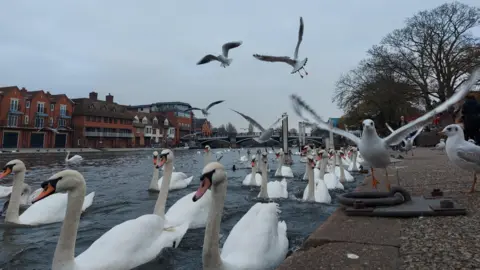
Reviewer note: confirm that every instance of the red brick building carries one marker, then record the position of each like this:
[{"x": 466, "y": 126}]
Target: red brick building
[
  {"x": 203, "y": 126},
  {"x": 99, "y": 124},
  {"x": 149, "y": 128},
  {"x": 34, "y": 119}
]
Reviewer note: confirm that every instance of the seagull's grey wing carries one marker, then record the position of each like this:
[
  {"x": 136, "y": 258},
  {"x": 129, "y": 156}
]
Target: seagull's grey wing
[
  {"x": 250, "y": 120},
  {"x": 300, "y": 37},
  {"x": 391, "y": 130},
  {"x": 207, "y": 58},
  {"x": 192, "y": 109},
  {"x": 276, "y": 122},
  {"x": 416, "y": 134},
  {"x": 469, "y": 154},
  {"x": 397, "y": 136},
  {"x": 299, "y": 105},
  {"x": 269, "y": 58},
  {"x": 213, "y": 104},
  {"x": 230, "y": 45}
]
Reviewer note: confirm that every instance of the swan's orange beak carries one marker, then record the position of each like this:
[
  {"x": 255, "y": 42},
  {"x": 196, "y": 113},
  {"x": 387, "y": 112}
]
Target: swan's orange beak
[
  {"x": 6, "y": 172},
  {"x": 312, "y": 163},
  {"x": 319, "y": 157},
  {"x": 47, "y": 191},
  {"x": 277, "y": 155},
  {"x": 205, "y": 184},
  {"x": 163, "y": 159},
  {"x": 155, "y": 160},
  {"x": 253, "y": 163}
]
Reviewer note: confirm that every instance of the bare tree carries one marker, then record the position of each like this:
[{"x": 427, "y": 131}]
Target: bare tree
[
  {"x": 230, "y": 128},
  {"x": 293, "y": 131},
  {"x": 222, "y": 130}
]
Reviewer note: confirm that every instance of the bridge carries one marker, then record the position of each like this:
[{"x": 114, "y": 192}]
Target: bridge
[{"x": 239, "y": 138}]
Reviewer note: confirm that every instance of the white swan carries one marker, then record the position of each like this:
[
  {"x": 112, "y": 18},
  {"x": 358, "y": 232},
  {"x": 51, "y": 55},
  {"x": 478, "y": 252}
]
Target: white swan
[
  {"x": 26, "y": 198},
  {"x": 125, "y": 246},
  {"x": 178, "y": 180},
  {"x": 353, "y": 167},
  {"x": 282, "y": 170},
  {"x": 273, "y": 189},
  {"x": 74, "y": 159},
  {"x": 5, "y": 191},
  {"x": 50, "y": 210},
  {"x": 253, "y": 178},
  {"x": 257, "y": 241},
  {"x": 315, "y": 191},
  {"x": 154, "y": 182},
  {"x": 184, "y": 211},
  {"x": 340, "y": 172}
]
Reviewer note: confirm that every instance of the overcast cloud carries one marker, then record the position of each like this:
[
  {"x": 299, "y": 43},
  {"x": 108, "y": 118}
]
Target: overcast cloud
[{"x": 146, "y": 51}]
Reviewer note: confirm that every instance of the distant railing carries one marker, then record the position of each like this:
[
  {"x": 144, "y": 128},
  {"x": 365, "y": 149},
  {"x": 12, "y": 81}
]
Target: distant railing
[
  {"x": 108, "y": 134},
  {"x": 251, "y": 134}
]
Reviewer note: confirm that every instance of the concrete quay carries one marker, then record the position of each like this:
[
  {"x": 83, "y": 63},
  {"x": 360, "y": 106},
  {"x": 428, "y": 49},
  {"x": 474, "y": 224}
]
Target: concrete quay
[{"x": 394, "y": 243}]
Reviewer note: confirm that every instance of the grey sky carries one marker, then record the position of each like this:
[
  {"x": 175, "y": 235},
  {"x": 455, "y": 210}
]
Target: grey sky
[{"x": 146, "y": 51}]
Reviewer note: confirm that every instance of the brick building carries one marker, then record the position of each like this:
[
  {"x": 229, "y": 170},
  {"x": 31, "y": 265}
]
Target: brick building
[
  {"x": 34, "y": 119},
  {"x": 149, "y": 128},
  {"x": 99, "y": 124},
  {"x": 203, "y": 126}
]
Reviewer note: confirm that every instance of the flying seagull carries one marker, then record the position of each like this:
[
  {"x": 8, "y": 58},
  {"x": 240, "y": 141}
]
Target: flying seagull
[
  {"x": 223, "y": 58},
  {"x": 266, "y": 133},
  {"x": 407, "y": 141},
  {"x": 295, "y": 63},
  {"x": 205, "y": 111},
  {"x": 374, "y": 149}
]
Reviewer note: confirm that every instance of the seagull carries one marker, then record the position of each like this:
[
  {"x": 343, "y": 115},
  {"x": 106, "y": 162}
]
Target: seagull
[
  {"x": 440, "y": 145},
  {"x": 223, "y": 58},
  {"x": 295, "y": 63},
  {"x": 266, "y": 133},
  {"x": 462, "y": 153},
  {"x": 374, "y": 149},
  {"x": 407, "y": 141},
  {"x": 205, "y": 111}
]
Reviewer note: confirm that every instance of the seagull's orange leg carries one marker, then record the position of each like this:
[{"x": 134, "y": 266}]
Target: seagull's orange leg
[
  {"x": 388, "y": 182},
  {"x": 374, "y": 180},
  {"x": 472, "y": 189}
]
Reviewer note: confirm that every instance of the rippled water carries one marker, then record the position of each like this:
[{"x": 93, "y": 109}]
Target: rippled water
[{"x": 120, "y": 181}]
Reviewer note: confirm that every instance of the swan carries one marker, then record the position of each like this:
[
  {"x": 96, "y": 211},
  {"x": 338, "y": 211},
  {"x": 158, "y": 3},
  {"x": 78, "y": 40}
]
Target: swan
[
  {"x": 282, "y": 170},
  {"x": 342, "y": 174},
  {"x": 353, "y": 167},
  {"x": 5, "y": 191},
  {"x": 207, "y": 158},
  {"x": 315, "y": 192},
  {"x": 125, "y": 246},
  {"x": 274, "y": 189},
  {"x": 74, "y": 159},
  {"x": 178, "y": 180},
  {"x": 257, "y": 241},
  {"x": 154, "y": 183},
  {"x": 26, "y": 198},
  {"x": 249, "y": 179},
  {"x": 243, "y": 159},
  {"x": 184, "y": 211},
  {"x": 50, "y": 210}
]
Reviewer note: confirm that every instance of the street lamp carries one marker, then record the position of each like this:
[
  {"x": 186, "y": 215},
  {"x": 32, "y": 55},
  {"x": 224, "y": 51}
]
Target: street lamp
[{"x": 165, "y": 129}]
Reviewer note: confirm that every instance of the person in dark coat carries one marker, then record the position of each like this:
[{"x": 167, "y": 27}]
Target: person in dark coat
[{"x": 471, "y": 113}]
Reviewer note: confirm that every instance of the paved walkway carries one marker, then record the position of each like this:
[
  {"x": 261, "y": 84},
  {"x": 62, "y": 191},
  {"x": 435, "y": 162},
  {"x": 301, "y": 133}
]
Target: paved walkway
[{"x": 390, "y": 243}]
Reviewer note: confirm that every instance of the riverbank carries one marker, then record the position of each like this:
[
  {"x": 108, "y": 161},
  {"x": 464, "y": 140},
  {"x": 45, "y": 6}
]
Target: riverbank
[
  {"x": 77, "y": 150},
  {"x": 391, "y": 243}
]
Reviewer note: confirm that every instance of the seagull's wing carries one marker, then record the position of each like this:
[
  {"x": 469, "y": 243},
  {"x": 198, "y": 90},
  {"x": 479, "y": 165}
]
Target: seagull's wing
[
  {"x": 207, "y": 58},
  {"x": 192, "y": 109},
  {"x": 276, "y": 122},
  {"x": 470, "y": 153},
  {"x": 299, "y": 104},
  {"x": 230, "y": 45},
  {"x": 213, "y": 104},
  {"x": 300, "y": 37},
  {"x": 399, "y": 134},
  {"x": 269, "y": 58},
  {"x": 391, "y": 130},
  {"x": 416, "y": 134},
  {"x": 250, "y": 120}
]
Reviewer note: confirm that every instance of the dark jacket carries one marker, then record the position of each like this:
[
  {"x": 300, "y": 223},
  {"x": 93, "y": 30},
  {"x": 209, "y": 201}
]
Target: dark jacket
[{"x": 470, "y": 111}]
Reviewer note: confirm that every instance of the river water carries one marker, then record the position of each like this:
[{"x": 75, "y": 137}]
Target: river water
[{"x": 120, "y": 181}]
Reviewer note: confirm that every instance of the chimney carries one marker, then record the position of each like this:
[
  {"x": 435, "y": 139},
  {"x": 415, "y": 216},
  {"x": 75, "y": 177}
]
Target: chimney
[
  {"x": 93, "y": 95},
  {"x": 109, "y": 98}
]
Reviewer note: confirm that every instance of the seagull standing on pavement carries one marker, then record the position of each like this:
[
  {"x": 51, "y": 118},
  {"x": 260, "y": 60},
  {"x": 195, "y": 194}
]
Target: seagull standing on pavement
[
  {"x": 295, "y": 63},
  {"x": 222, "y": 58},
  {"x": 374, "y": 149},
  {"x": 205, "y": 111}
]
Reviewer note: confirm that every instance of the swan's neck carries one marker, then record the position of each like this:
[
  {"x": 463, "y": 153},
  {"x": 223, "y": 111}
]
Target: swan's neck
[
  {"x": 323, "y": 167},
  {"x": 65, "y": 251},
  {"x": 162, "y": 195},
  {"x": 207, "y": 158},
  {"x": 354, "y": 160},
  {"x": 342, "y": 172},
  {"x": 14, "y": 204},
  {"x": 211, "y": 249},
  {"x": 263, "y": 187},
  {"x": 311, "y": 184},
  {"x": 253, "y": 175},
  {"x": 154, "y": 182}
]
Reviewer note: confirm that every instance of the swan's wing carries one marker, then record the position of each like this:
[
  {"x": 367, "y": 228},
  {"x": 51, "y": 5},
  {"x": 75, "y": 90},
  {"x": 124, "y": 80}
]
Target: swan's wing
[
  {"x": 391, "y": 131},
  {"x": 5, "y": 191},
  {"x": 126, "y": 245},
  {"x": 469, "y": 153},
  {"x": 230, "y": 45},
  {"x": 213, "y": 104},
  {"x": 192, "y": 109},
  {"x": 88, "y": 201},
  {"x": 52, "y": 209},
  {"x": 300, "y": 37},
  {"x": 276, "y": 122},
  {"x": 464, "y": 89},
  {"x": 34, "y": 195},
  {"x": 250, "y": 120},
  {"x": 193, "y": 213},
  {"x": 207, "y": 58},
  {"x": 268, "y": 58},
  {"x": 299, "y": 104},
  {"x": 258, "y": 232}
]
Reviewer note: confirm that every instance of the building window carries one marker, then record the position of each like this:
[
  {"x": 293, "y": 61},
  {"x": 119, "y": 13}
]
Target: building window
[
  {"x": 52, "y": 107},
  {"x": 26, "y": 119},
  {"x": 12, "y": 120},
  {"x": 13, "y": 104},
  {"x": 144, "y": 120},
  {"x": 41, "y": 107},
  {"x": 63, "y": 109},
  {"x": 27, "y": 104},
  {"x": 62, "y": 122},
  {"x": 51, "y": 121},
  {"x": 39, "y": 122}
]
